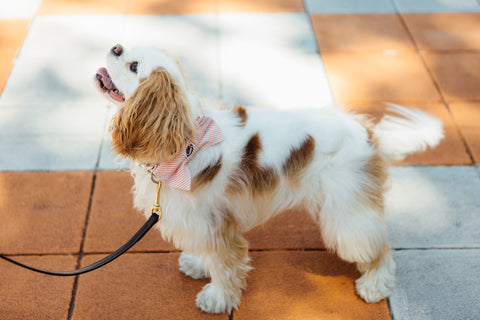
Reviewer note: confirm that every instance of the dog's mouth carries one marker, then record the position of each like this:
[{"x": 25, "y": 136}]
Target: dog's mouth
[{"x": 106, "y": 84}]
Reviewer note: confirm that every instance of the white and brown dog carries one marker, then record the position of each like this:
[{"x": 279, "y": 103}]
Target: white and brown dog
[{"x": 227, "y": 171}]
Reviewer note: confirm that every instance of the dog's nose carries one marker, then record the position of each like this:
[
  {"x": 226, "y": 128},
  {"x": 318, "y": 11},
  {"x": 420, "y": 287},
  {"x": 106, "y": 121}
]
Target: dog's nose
[{"x": 117, "y": 50}]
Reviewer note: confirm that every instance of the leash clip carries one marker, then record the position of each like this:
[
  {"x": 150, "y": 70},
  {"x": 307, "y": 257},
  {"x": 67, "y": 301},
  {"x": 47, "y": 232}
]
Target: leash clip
[{"x": 156, "y": 206}]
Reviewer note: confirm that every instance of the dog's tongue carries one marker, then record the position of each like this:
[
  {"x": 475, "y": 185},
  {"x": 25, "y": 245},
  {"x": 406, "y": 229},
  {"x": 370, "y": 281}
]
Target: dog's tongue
[
  {"x": 102, "y": 75},
  {"x": 104, "y": 78}
]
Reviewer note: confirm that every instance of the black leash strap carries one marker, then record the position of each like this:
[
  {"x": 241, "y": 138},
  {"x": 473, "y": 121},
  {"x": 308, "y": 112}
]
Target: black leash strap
[{"x": 139, "y": 235}]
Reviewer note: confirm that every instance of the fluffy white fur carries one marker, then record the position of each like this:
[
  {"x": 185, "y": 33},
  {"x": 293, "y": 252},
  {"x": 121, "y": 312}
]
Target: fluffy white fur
[{"x": 340, "y": 183}]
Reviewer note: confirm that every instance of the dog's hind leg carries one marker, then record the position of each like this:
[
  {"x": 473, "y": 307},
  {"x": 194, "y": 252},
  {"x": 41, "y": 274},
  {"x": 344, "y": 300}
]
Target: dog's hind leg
[
  {"x": 226, "y": 261},
  {"x": 353, "y": 225},
  {"x": 360, "y": 237}
]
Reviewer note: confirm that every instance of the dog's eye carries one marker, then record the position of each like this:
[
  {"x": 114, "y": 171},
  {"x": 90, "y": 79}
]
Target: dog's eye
[{"x": 134, "y": 66}]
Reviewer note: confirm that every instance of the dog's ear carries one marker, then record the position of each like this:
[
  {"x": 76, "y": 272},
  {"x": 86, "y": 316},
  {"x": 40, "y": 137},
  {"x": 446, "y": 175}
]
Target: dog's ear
[{"x": 155, "y": 122}]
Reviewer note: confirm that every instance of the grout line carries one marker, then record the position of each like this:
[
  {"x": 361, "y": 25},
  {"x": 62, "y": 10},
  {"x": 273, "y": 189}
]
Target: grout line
[
  {"x": 435, "y": 248},
  {"x": 389, "y": 306},
  {"x": 464, "y": 140},
  {"x": 82, "y": 244},
  {"x": 418, "y": 51},
  {"x": 437, "y": 86},
  {"x": 250, "y": 250}
]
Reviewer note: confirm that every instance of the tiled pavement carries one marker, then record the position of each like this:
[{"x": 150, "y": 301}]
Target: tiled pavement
[{"x": 64, "y": 203}]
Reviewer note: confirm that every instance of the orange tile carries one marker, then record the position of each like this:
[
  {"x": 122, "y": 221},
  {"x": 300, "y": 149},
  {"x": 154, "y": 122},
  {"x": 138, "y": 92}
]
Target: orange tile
[
  {"x": 467, "y": 117},
  {"x": 53, "y": 7},
  {"x": 289, "y": 230},
  {"x": 450, "y": 151},
  {"x": 457, "y": 74},
  {"x": 357, "y": 77},
  {"x": 12, "y": 34},
  {"x": 29, "y": 295},
  {"x": 139, "y": 286},
  {"x": 445, "y": 31},
  {"x": 304, "y": 285},
  {"x": 261, "y": 6},
  {"x": 113, "y": 220},
  {"x": 171, "y": 6},
  {"x": 367, "y": 32},
  {"x": 43, "y": 212},
  {"x": 6, "y": 64}
]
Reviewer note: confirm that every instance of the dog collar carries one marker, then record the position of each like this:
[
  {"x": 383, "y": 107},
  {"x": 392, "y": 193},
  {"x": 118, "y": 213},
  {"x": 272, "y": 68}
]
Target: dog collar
[{"x": 175, "y": 173}]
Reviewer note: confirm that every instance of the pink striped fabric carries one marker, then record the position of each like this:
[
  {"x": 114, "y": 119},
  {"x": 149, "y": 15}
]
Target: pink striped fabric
[{"x": 175, "y": 173}]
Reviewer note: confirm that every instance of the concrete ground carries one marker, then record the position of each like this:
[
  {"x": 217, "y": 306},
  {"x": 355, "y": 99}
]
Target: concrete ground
[{"x": 65, "y": 202}]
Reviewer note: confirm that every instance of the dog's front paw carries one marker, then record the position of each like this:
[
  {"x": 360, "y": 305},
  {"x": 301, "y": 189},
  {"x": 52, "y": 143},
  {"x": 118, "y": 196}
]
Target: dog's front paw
[
  {"x": 215, "y": 300},
  {"x": 192, "y": 266}
]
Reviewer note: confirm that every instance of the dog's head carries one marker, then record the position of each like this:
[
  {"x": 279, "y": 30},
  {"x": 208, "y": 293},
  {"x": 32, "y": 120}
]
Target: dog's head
[{"x": 154, "y": 120}]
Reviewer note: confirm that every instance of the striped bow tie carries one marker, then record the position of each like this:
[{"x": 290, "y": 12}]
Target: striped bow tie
[{"x": 175, "y": 173}]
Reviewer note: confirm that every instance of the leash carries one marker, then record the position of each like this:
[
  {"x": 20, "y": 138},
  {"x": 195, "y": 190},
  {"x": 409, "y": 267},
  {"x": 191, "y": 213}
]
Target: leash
[{"x": 156, "y": 215}]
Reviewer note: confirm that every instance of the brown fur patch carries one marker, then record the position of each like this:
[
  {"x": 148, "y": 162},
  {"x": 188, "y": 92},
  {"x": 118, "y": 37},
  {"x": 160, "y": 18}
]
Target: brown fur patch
[
  {"x": 241, "y": 112},
  {"x": 154, "y": 123},
  {"x": 299, "y": 159},
  {"x": 206, "y": 175},
  {"x": 374, "y": 188},
  {"x": 249, "y": 173}
]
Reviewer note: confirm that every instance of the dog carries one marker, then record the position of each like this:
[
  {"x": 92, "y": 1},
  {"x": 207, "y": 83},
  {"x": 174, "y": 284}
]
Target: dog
[{"x": 227, "y": 171}]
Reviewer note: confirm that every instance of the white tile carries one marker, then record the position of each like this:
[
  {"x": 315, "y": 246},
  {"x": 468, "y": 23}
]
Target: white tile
[
  {"x": 271, "y": 60},
  {"x": 190, "y": 39},
  {"x": 416, "y": 6},
  {"x": 77, "y": 35},
  {"x": 436, "y": 284},
  {"x": 59, "y": 59},
  {"x": 432, "y": 207},
  {"x": 18, "y": 9},
  {"x": 51, "y": 138},
  {"x": 349, "y": 6}
]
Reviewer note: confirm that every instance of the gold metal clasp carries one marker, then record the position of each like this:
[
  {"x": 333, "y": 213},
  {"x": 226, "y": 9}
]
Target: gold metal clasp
[{"x": 156, "y": 206}]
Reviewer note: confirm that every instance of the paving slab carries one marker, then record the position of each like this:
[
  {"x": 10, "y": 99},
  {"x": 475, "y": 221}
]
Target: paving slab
[
  {"x": 6, "y": 63},
  {"x": 60, "y": 70},
  {"x": 18, "y": 9},
  {"x": 113, "y": 220},
  {"x": 389, "y": 76},
  {"x": 271, "y": 60},
  {"x": 112, "y": 214},
  {"x": 433, "y": 207},
  {"x": 260, "y": 6},
  {"x": 467, "y": 117},
  {"x": 437, "y": 6},
  {"x": 436, "y": 284},
  {"x": 349, "y": 6},
  {"x": 361, "y": 32},
  {"x": 304, "y": 285},
  {"x": 155, "y": 7},
  {"x": 12, "y": 34},
  {"x": 73, "y": 7},
  {"x": 145, "y": 286},
  {"x": 51, "y": 138},
  {"x": 43, "y": 212},
  {"x": 457, "y": 74},
  {"x": 194, "y": 44},
  {"x": 293, "y": 229},
  {"x": 444, "y": 31},
  {"x": 29, "y": 295}
]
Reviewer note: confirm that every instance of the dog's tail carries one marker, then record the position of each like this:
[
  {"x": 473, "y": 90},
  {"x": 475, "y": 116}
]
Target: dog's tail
[{"x": 409, "y": 131}]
